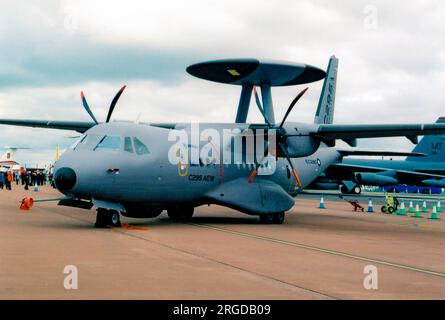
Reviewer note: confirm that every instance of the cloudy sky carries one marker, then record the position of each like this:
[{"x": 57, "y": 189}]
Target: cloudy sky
[{"x": 391, "y": 69}]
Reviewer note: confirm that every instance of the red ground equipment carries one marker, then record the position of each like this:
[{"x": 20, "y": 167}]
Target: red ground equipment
[{"x": 355, "y": 205}]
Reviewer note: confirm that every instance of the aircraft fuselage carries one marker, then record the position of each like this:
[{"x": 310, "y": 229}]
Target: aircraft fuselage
[{"x": 121, "y": 173}]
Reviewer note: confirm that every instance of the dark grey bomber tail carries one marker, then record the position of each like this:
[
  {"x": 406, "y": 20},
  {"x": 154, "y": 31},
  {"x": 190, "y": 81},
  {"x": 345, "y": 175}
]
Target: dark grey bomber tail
[{"x": 433, "y": 146}]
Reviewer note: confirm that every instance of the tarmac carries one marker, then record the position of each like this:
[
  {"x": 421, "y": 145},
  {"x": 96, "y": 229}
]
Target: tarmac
[{"x": 219, "y": 254}]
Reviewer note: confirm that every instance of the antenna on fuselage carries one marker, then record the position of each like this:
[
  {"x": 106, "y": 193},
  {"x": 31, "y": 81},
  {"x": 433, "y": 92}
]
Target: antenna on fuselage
[{"x": 138, "y": 117}]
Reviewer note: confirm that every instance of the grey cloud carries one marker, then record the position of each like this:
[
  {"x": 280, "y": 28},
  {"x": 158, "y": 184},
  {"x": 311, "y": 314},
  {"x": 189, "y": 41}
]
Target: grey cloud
[{"x": 74, "y": 62}]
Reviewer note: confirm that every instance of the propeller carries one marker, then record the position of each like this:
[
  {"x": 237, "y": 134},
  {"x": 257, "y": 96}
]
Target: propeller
[
  {"x": 87, "y": 107},
  {"x": 260, "y": 107},
  {"x": 291, "y": 106},
  {"x": 113, "y": 103},
  {"x": 110, "y": 110},
  {"x": 281, "y": 136}
]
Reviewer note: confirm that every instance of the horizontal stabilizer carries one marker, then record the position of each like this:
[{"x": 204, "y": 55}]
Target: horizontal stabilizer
[{"x": 331, "y": 132}]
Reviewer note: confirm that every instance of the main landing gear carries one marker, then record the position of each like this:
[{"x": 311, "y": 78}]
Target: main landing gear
[
  {"x": 272, "y": 218},
  {"x": 354, "y": 190},
  {"x": 107, "y": 218},
  {"x": 180, "y": 213}
]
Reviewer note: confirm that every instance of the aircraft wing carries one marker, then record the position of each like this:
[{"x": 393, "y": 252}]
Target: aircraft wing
[
  {"x": 348, "y": 132},
  {"x": 49, "y": 124},
  {"x": 380, "y": 153},
  {"x": 370, "y": 194},
  {"x": 344, "y": 171}
]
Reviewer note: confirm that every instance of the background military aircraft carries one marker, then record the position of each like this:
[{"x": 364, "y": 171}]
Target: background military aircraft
[
  {"x": 424, "y": 167},
  {"x": 123, "y": 167}
]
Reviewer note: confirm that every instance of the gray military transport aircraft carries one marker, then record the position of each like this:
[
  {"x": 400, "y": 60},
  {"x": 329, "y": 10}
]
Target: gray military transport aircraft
[{"x": 140, "y": 169}]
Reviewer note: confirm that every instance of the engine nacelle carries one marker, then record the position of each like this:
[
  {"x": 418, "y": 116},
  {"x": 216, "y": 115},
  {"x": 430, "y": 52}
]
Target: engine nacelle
[
  {"x": 434, "y": 183},
  {"x": 369, "y": 178},
  {"x": 302, "y": 146},
  {"x": 301, "y": 143},
  {"x": 141, "y": 211}
]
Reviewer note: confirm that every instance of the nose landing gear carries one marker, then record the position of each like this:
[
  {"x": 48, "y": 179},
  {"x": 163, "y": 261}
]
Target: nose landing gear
[
  {"x": 272, "y": 218},
  {"x": 107, "y": 218}
]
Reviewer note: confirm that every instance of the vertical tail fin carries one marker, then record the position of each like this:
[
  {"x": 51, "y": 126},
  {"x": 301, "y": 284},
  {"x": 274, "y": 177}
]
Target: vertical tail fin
[
  {"x": 326, "y": 104},
  {"x": 8, "y": 155},
  {"x": 433, "y": 146}
]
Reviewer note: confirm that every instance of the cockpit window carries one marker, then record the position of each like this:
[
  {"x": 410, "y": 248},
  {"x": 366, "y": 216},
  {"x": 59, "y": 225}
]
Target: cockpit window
[
  {"x": 79, "y": 140},
  {"x": 88, "y": 142},
  {"x": 110, "y": 143},
  {"x": 127, "y": 145},
  {"x": 140, "y": 147}
]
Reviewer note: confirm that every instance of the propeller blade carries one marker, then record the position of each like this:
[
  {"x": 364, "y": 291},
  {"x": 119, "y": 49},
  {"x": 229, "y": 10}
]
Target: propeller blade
[
  {"x": 113, "y": 103},
  {"x": 253, "y": 175},
  {"x": 87, "y": 107},
  {"x": 291, "y": 106},
  {"x": 294, "y": 171},
  {"x": 255, "y": 171},
  {"x": 258, "y": 103}
]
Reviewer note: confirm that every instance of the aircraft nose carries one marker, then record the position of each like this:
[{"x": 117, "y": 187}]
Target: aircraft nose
[{"x": 65, "y": 179}]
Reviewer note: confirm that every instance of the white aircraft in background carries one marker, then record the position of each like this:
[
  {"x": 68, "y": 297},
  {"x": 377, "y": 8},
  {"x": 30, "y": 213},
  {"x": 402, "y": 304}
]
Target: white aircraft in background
[{"x": 7, "y": 161}]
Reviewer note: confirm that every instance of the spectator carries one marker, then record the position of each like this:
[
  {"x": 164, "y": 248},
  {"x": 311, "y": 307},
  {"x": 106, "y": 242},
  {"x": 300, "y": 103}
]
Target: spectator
[
  {"x": 26, "y": 179},
  {"x": 2, "y": 180},
  {"x": 9, "y": 180}
]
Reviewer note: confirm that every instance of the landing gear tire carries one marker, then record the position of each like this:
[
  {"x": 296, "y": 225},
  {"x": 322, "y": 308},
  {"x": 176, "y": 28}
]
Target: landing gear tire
[
  {"x": 106, "y": 218},
  {"x": 180, "y": 213},
  {"x": 272, "y": 218},
  {"x": 101, "y": 218},
  {"x": 278, "y": 218},
  {"x": 354, "y": 190},
  {"x": 114, "y": 218}
]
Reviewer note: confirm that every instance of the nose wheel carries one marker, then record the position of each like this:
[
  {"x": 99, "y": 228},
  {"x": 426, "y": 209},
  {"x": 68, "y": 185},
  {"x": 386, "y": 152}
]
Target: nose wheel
[
  {"x": 272, "y": 218},
  {"x": 107, "y": 218}
]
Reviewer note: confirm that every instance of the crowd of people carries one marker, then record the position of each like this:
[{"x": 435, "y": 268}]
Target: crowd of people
[{"x": 24, "y": 178}]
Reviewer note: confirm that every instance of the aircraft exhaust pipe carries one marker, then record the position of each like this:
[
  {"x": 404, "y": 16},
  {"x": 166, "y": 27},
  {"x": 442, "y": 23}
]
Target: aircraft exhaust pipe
[{"x": 368, "y": 178}]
